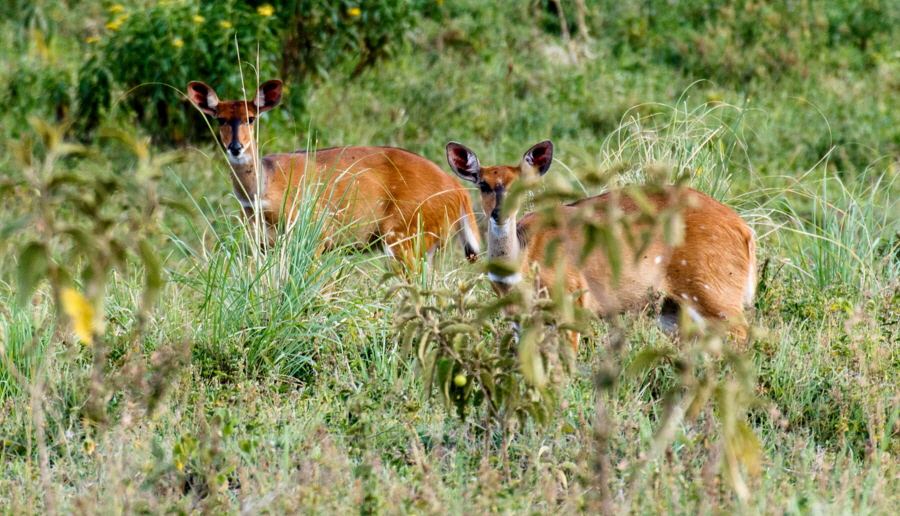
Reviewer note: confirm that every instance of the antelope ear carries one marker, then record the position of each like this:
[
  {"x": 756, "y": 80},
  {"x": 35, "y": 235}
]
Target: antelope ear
[
  {"x": 540, "y": 157},
  {"x": 268, "y": 95},
  {"x": 463, "y": 162},
  {"x": 203, "y": 97}
]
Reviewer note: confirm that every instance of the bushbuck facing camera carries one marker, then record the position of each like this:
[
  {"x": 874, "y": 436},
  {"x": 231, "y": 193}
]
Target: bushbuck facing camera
[
  {"x": 710, "y": 274},
  {"x": 379, "y": 193}
]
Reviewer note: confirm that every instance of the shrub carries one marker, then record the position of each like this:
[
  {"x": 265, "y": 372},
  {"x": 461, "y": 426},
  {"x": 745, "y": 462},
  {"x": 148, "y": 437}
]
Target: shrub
[{"x": 166, "y": 45}]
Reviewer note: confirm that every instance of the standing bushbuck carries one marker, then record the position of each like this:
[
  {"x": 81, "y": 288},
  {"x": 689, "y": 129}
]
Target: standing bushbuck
[
  {"x": 710, "y": 274},
  {"x": 373, "y": 193}
]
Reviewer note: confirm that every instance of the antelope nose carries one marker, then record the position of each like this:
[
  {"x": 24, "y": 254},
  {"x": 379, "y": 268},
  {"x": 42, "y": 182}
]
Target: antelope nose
[
  {"x": 235, "y": 149},
  {"x": 495, "y": 214}
]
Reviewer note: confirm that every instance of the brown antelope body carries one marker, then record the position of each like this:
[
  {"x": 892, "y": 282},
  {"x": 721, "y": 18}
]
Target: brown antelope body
[
  {"x": 374, "y": 193},
  {"x": 710, "y": 275}
]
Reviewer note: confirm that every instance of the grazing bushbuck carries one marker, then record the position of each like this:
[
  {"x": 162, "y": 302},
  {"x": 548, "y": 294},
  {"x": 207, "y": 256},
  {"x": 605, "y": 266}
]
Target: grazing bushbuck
[
  {"x": 710, "y": 274},
  {"x": 375, "y": 193}
]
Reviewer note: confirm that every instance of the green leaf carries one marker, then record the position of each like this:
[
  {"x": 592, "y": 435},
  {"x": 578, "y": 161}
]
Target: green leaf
[
  {"x": 13, "y": 227},
  {"x": 33, "y": 267},
  {"x": 647, "y": 359},
  {"x": 428, "y": 369},
  {"x": 152, "y": 272},
  {"x": 530, "y": 358},
  {"x": 445, "y": 377}
]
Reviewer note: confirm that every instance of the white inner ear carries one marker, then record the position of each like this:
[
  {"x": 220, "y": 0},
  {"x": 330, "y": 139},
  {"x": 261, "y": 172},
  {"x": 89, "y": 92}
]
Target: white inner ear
[
  {"x": 472, "y": 164},
  {"x": 211, "y": 100},
  {"x": 529, "y": 158},
  {"x": 260, "y": 99}
]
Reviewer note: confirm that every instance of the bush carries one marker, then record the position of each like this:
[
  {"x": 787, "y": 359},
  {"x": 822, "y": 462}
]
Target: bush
[
  {"x": 320, "y": 36},
  {"x": 167, "y": 45}
]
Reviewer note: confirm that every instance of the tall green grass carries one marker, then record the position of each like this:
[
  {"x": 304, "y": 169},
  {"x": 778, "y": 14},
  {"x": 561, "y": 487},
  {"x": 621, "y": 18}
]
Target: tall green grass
[
  {"x": 271, "y": 311},
  {"x": 844, "y": 236}
]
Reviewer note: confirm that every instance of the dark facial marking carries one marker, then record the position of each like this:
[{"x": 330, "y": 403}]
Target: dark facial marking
[{"x": 499, "y": 193}]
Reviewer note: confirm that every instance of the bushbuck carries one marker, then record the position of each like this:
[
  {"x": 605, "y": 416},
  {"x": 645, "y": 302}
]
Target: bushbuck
[
  {"x": 709, "y": 273},
  {"x": 374, "y": 193}
]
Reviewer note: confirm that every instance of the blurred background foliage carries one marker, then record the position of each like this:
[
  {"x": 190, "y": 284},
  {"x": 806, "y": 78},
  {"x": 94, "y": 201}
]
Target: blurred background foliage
[
  {"x": 786, "y": 110},
  {"x": 157, "y": 47}
]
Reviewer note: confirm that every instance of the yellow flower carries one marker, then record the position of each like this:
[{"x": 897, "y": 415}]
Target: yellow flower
[
  {"x": 177, "y": 42},
  {"x": 699, "y": 171},
  {"x": 79, "y": 309},
  {"x": 265, "y": 10},
  {"x": 93, "y": 39},
  {"x": 199, "y": 19},
  {"x": 354, "y": 11},
  {"x": 115, "y": 24},
  {"x": 225, "y": 24},
  {"x": 118, "y": 8}
]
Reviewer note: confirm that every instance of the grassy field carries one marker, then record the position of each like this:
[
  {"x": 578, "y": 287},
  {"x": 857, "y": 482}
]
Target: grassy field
[{"x": 152, "y": 360}]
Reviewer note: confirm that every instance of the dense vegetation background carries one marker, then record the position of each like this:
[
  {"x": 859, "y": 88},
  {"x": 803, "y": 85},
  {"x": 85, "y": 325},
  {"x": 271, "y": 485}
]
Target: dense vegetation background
[{"x": 152, "y": 361}]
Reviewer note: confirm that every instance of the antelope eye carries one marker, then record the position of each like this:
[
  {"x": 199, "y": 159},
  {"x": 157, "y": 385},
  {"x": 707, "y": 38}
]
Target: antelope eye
[
  {"x": 485, "y": 188},
  {"x": 221, "y": 121},
  {"x": 250, "y": 120}
]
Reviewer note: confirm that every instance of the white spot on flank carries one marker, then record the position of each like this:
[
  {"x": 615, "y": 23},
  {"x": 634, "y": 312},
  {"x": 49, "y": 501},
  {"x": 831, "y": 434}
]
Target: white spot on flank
[
  {"x": 706, "y": 287},
  {"x": 684, "y": 296},
  {"x": 695, "y": 298},
  {"x": 696, "y": 317},
  {"x": 658, "y": 259},
  {"x": 512, "y": 279},
  {"x": 683, "y": 262}
]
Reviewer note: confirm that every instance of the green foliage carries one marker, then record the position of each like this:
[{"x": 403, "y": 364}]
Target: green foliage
[
  {"x": 276, "y": 382},
  {"x": 739, "y": 41},
  {"x": 850, "y": 233},
  {"x": 152, "y": 50},
  {"x": 86, "y": 224},
  {"x": 456, "y": 343},
  {"x": 320, "y": 37},
  {"x": 273, "y": 311}
]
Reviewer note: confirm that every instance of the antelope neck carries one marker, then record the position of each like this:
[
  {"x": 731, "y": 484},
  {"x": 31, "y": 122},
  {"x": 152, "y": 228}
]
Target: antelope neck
[
  {"x": 244, "y": 177},
  {"x": 503, "y": 247}
]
